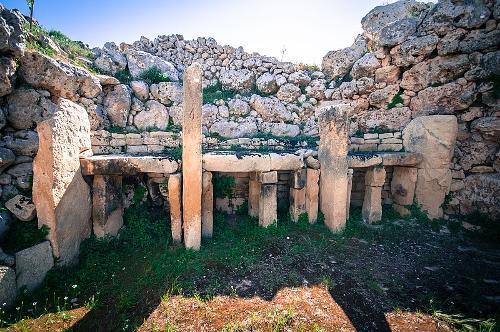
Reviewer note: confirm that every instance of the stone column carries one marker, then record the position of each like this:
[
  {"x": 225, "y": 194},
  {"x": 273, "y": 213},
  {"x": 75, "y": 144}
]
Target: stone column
[
  {"x": 403, "y": 184},
  {"x": 175, "y": 202},
  {"x": 191, "y": 156},
  {"x": 268, "y": 203},
  {"x": 332, "y": 155},
  {"x": 297, "y": 194},
  {"x": 312, "y": 194},
  {"x": 350, "y": 172},
  {"x": 207, "y": 204},
  {"x": 253, "y": 195},
  {"x": 372, "y": 203},
  {"x": 107, "y": 205},
  {"x": 434, "y": 138}
]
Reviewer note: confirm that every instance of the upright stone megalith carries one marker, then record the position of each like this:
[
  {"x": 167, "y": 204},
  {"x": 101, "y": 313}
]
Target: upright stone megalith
[
  {"x": 434, "y": 138},
  {"x": 175, "y": 202},
  {"x": 312, "y": 194},
  {"x": 191, "y": 156},
  {"x": 253, "y": 195},
  {"x": 107, "y": 205},
  {"x": 268, "y": 202},
  {"x": 207, "y": 215},
  {"x": 332, "y": 155},
  {"x": 60, "y": 194}
]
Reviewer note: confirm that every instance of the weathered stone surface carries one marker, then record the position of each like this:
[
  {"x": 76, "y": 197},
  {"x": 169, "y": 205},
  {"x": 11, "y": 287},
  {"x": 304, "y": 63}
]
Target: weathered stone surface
[
  {"x": 433, "y": 184},
  {"x": 474, "y": 153},
  {"x": 447, "y": 98},
  {"x": 61, "y": 79},
  {"x": 288, "y": 93},
  {"x": 167, "y": 93},
  {"x": 155, "y": 116},
  {"x": 222, "y": 162},
  {"x": 332, "y": 154},
  {"x": 7, "y": 157},
  {"x": 400, "y": 158},
  {"x": 285, "y": 162},
  {"x": 280, "y": 129},
  {"x": 397, "y": 32},
  {"x": 26, "y": 107},
  {"x": 297, "y": 203},
  {"x": 414, "y": 50},
  {"x": 433, "y": 137},
  {"x": 32, "y": 265},
  {"x": 312, "y": 162},
  {"x": 192, "y": 157},
  {"x": 298, "y": 179},
  {"x": 312, "y": 194},
  {"x": 207, "y": 206},
  {"x": 238, "y": 107},
  {"x": 267, "y": 177},
  {"x": 363, "y": 160},
  {"x": 489, "y": 127},
  {"x": 380, "y": 98},
  {"x": 60, "y": 194},
  {"x": 439, "y": 70},
  {"x": 365, "y": 66},
  {"x": 375, "y": 177},
  {"x": 253, "y": 195},
  {"x": 300, "y": 78},
  {"x": 372, "y": 204},
  {"x": 481, "y": 193},
  {"x": 140, "y": 89},
  {"x": 338, "y": 63},
  {"x": 107, "y": 205},
  {"x": 241, "y": 80},
  {"x": 266, "y": 83},
  {"x": 127, "y": 165},
  {"x": 393, "y": 119},
  {"x": 7, "y": 70},
  {"x": 231, "y": 129},
  {"x": 117, "y": 104},
  {"x": 11, "y": 32},
  {"x": 403, "y": 184},
  {"x": 8, "y": 289},
  {"x": 270, "y": 108},
  {"x": 387, "y": 74},
  {"x": 350, "y": 173},
  {"x": 24, "y": 142},
  {"x": 139, "y": 61},
  {"x": 268, "y": 205},
  {"x": 109, "y": 59},
  {"x": 175, "y": 203},
  {"x": 107, "y": 80},
  {"x": 22, "y": 207}
]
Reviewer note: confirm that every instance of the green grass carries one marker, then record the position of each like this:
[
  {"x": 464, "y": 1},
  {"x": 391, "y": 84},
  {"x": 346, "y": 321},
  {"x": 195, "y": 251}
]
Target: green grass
[
  {"x": 73, "y": 48},
  {"x": 397, "y": 99},
  {"x": 153, "y": 75}
]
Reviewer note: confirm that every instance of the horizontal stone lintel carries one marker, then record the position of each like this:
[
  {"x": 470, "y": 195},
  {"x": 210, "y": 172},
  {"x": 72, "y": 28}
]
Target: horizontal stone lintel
[
  {"x": 127, "y": 165},
  {"x": 251, "y": 162}
]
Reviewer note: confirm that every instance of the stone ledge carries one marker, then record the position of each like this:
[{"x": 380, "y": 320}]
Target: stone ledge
[
  {"x": 127, "y": 165},
  {"x": 361, "y": 160},
  {"x": 227, "y": 161}
]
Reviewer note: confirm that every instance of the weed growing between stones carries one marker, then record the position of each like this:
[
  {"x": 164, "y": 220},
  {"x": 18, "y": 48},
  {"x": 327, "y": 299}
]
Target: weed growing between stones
[
  {"x": 123, "y": 76},
  {"x": 397, "y": 99},
  {"x": 153, "y": 75}
]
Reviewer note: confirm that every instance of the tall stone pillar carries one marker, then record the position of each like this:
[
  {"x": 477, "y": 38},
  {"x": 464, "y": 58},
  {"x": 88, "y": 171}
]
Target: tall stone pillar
[
  {"x": 372, "y": 202},
  {"x": 253, "y": 195},
  {"x": 175, "y": 202},
  {"x": 107, "y": 205},
  {"x": 312, "y": 194},
  {"x": 268, "y": 201},
  {"x": 191, "y": 156},
  {"x": 350, "y": 173},
  {"x": 403, "y": 184},
  {"x": 297, "y": 194},
  {"x": 434, "y": 138},
  {"x": 207, "y": 215},
  {"x": 332, "y": 155}
]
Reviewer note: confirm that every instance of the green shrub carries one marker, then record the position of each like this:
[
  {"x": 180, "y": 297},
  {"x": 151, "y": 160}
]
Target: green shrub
[
  {"x": 153, "y": 75},
  {"x": 123, "y": 76},
  {"x": 397, "y": 99},
  {"x": 223, "y": 186}
]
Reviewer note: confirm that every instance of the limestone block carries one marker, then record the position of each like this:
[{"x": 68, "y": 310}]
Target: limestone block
[
  {"x": 375, "y": 177},
  {"x": 207, "y": 206},
  {"x": 267, "y": 177},
  {"x": 224, "y": 162},
  {"x": 107, "y": 205},
  {"x": 433, "y": 184},
  {"x": 285, "y": 161},
  {"x": 32, "y": 264},
  {"x": 298, "y": 179},
  {"x": 297, "y": 203},
  {"x": 253, "y": 196},
  {"x": 312, "y": 194},
  {"x": 127, "y": 165},
  {"x": 403, "y": 185},
  {"x": 350, "y": 173},
  {"x": 175, "y": 202},
  {"x": 192, "y": 156},
  {"x": 22, "y": 207},
  {"x": 400, "y": 158},
  {"x": 332, "y": 155},
  {"x": 363, "y": 160},
  {"x": 60, "y": 194},
  {"x": 268, "y": 205},
  {"x": 372, "y": 204},
  {"x": 8, "y": 289}
]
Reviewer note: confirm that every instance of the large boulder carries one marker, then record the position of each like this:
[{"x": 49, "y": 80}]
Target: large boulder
[
  {"x": 414, "y": 50},
  {"x": 266, "y": 83},
  {"x": 7, "y": 157},
  {"x": 300, "y": 78},
  {"x": 140, "y": 89},
  {"x": 60, "y": 78},
  {"x": 139, "y": 61},
  {"x": 444, "y": 99},
  {"x": 394, "y": 119},
  {"x": 397, "y": 32},
  {"x": 109, "y": 59},
  {"x": 280, "y": 129},
  {"x": 27, "y": 107},
  {"x": 238, "y": 107},
  {"x": 60, "y": 194},
  {"x": 439, "y": 70},
  {"x": 155, "y": 116},
  {"x": 22, "y": 207},
  {"x": 7, "y": 69},
  {"x": 8, "y": 289},
  {"x": 231, "y": 129},
  {"x": 336, "y": 64},
  {"x": 32, "y": 265},
  {"x": 481, "y": 192},
  {"x": 270, "y": 108},
  {"x": 11, "y": 32},
  {"x": 365, "y": 67},
  {"x": 489, "y": 127},
  {"x": 288, "y": 93},
  {"x": 242, "y": 80},
  {"x": 167, "y": 93},
  {"x": 23, "y": 142},
  {"x": 117, "y": 104}
]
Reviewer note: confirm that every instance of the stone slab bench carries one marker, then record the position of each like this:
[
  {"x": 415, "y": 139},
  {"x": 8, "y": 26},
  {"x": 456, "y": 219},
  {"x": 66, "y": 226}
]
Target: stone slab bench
[
  {"x": 361, "y": 160},
  {"x": 230, "y": 161},
  {"x": 127, "y": 165}
]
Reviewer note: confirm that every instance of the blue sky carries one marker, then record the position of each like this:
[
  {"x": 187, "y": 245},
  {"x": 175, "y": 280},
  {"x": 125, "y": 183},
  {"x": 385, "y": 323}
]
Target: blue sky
[{"x": 306, "y": 29}]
